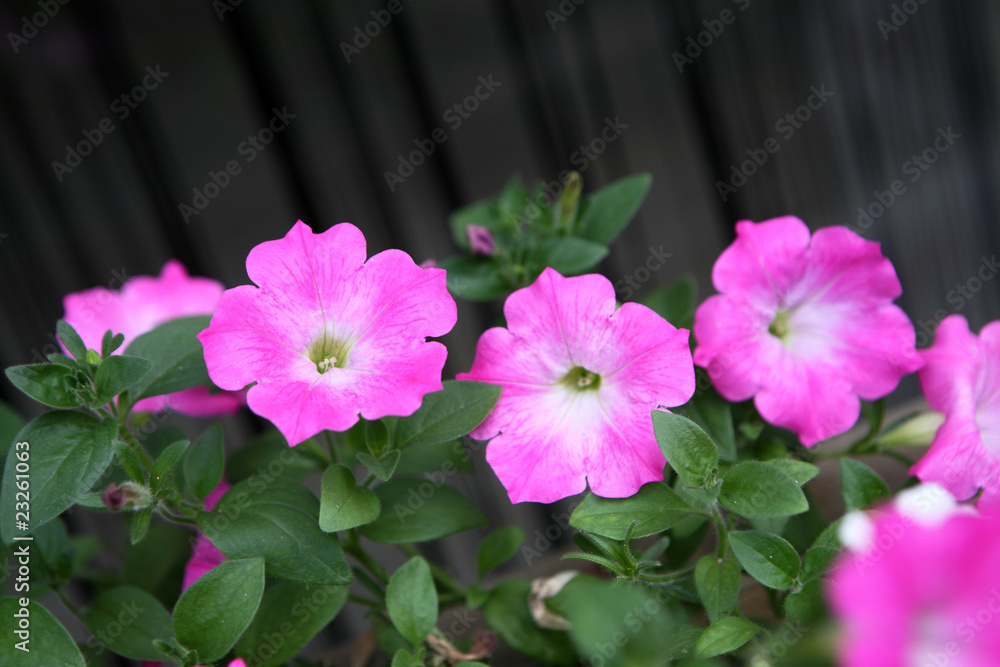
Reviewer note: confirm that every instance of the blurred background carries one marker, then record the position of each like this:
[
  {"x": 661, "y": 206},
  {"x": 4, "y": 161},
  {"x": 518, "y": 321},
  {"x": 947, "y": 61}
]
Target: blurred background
[{"x": 138, "y": 132}]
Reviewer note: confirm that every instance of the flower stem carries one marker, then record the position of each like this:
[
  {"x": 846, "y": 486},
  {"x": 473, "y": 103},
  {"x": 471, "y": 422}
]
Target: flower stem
[
  {"x": 720, "y": 528},
  {"x": 67, "y": 603},
  {"x": 318, "y": 451},
  {"x": 130, "y": 440},
  {"x": 330, "y": 446}
]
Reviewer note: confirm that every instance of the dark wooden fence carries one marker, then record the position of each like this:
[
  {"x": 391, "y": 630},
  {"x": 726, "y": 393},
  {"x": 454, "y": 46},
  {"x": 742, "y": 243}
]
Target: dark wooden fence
[{"x": 824, "y": 104}]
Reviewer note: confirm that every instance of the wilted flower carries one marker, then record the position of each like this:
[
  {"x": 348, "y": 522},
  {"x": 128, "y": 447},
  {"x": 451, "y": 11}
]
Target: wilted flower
[
  {"x": 327, "y": 335},
  {"x": 580, "y": 380},
  {"x": 805, "y": 326}
]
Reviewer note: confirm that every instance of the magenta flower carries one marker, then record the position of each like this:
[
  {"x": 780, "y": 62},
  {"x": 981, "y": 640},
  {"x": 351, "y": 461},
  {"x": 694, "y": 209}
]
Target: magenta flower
[
  {"x": 579, "y": 382},
  {"x": 804, "y": 325},
  {"x": 327, "y": 335},
  {"x": 961, "y": 378},
  {"x": 144, "y": 303},
  {"x": 205, "y": 555},
  {"x": 920, "y": 590},
  {"x": 480, "y": 240}
]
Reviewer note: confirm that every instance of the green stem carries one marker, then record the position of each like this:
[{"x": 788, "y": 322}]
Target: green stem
[
  {"x": 130, "y": 440},
  {"x": 720, "y": 527},
  {"x": 368, "y": 481},
  {"x": 67, "y": 603},
  {"x": 318, "y": 451},
  {"x": 446, "y": 580},
  {"x": 363, "y": 600},
  {"x": 352, "y": 547},
  {"x": 330, "y": 446},
  {"x": 667, "y": 577}
]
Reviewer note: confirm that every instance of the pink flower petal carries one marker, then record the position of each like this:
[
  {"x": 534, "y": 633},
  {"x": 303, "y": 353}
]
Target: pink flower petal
[
  {"x": 962, "y": 379},
  {"x": 144, "y": 303},
  {"x": 318, "y": 287},
  {"x": 549, "y": 438},
  {"x": 805, "y": 326}
]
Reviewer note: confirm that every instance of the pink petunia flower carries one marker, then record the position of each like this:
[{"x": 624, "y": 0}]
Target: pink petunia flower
[
  {"x": 804, "y": 325},
  {"x": 961, "y": 378},
  {"x": 205, "y": 555},
  {"x": 144, "y": 303},
  {"x": 922, "y": 588},
  {"x": 579, "y": 382},
  {"x": 327, "y": 335}
]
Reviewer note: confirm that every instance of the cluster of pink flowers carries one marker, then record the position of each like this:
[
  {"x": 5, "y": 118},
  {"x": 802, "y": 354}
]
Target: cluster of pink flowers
[{"x": 804, "y": 324}]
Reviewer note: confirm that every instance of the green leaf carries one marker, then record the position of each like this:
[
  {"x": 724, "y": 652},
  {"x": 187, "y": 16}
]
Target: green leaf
[
  {"x": 156, "y": 564},
  {"x": 718, "y": 583},
  {"x": 140, "y": 525},
  {"x": 767, "y": 558},
  {"x": 806, "y": 605},
  {"x": 817, "y": 562},
  {"x": 418, "y": 510},
  {"x": 269, "y": 455},
  {"x": 725, "y": 635},
  {"x": 498, "y": 547},
  {"x": 71, "y": 339},
  {"x": 297, "y": 612},
  {"x": 205, "y": 462},
  {"x": 507, "y": 613},
  {"x": 129, "y": 461},
  {"x": 177, "y": 356},
  {"x": 412, "y": 600},
  {"x": 10, "y": 424},
  {"x": 379, "y": 435},
  {"x": 116, "y": 374},
  {"x": 48, "y": 642},
  {"x": 212, "y": 614},
  {"x": 111, "y": 342},
  {"x": 800, "y": 471},
  {"x": 633, "y": 621},
  {"x": 475, "y": 278},
  {"x": 688, "y": 449},
  {"x": 380, "y": 467},
  {"x": 676, "y": 302},
  {"x": 604, "y": 214},
  {"x": 448, "y": 457},
  {"x": 860, "y": 485},
  {"x": 343, "y": 504},
  {"x": 448, "y": 414},
  {"x": 756, "y": 489},
  {"x": 655, "y": 508},
  {"x": 569, "y": 255},
  {"x": 67, "y": 453},
  {"x": 139, "y": 619},
  {"x": 165, "y": 463},
  {"x": 713, "y": 414},
  {"x": 277, "y": 519},
  {"x": 681, "y": 644},
  {"x": 45, "y": 383}
]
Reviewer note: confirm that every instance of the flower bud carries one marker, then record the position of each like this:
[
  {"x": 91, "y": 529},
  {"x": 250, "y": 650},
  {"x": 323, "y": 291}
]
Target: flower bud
[{"x": 127, "y": 496}]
